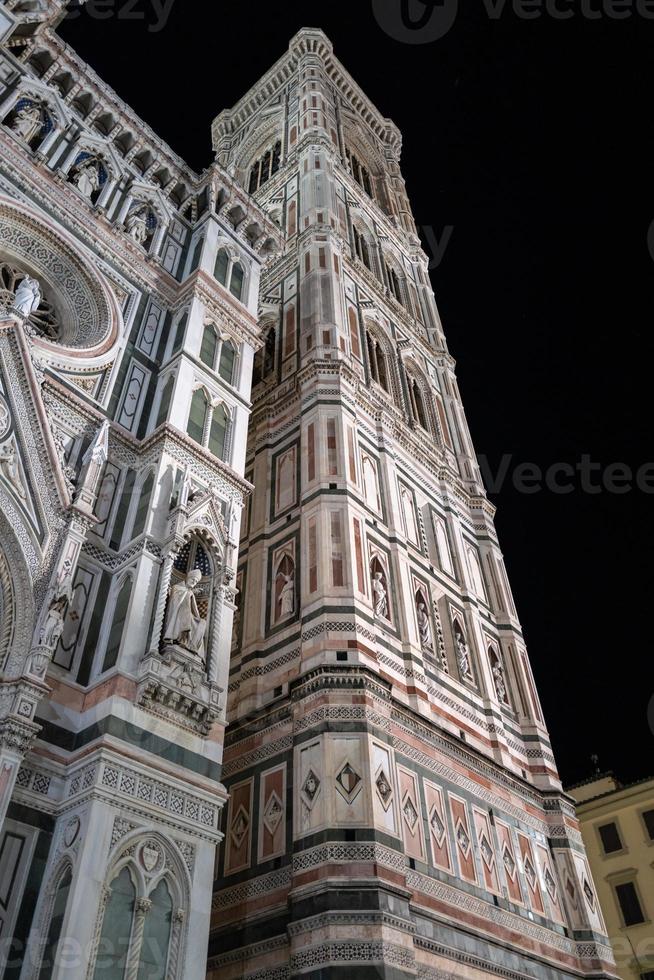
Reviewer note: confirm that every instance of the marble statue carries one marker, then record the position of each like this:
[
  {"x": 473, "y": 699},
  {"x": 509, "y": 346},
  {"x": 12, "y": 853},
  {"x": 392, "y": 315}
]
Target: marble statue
[
  {"x": 184, "y": 625},
  {"x": 500, "y": 685},
  {"x": 53, "y": 625},
  {"x": 463, "y": 656},
  {"x": 87, "y": 179},
  {"x": 381, "y": 601},
  {"x": 424, "y": 626},
  {"x": 9, "y": 467},
  {"x": 137, "y": 227},
  {"x": 287, "y": 595},
  {"x": 28, "y": 122},
  {"x": 28, "y": 296}
]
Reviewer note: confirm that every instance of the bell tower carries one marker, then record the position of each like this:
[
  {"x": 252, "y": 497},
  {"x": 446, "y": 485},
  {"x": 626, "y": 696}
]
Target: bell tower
[{"x": 395, "y": 809}]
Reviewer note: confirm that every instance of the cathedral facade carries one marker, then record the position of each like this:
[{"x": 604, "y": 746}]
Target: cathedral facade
[{"x": 264, "y": 688}]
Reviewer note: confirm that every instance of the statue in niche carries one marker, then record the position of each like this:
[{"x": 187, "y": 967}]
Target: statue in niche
[
  {"x": 184, "y": 625},
  {"x": 137, "y": 225},
  {"x": 287, "y": 594},
  {"x": 87, "y": 179},
  {"x": 27, "y": 298},
  {"x": 463, "y": 656},
  {"x": 53, "y": 625},
  {"x": 380, "y": 596},
  {"x": 500, "y": 684},
  {"x": 28, "y": 122},
  {"x": 9, "y": 467},
  {"x": 424, "y": 627}
]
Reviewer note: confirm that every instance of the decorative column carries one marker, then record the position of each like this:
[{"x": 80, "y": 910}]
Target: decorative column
[
  {"x": 175, "y": 939},
  {"x": 143, "y": 906},
  {"x": 164, "y": 585},
  {"x": 17, "y": 732}
]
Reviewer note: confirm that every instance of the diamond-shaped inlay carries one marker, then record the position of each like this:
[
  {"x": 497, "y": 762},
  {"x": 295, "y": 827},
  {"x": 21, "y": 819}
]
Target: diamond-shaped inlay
[
  {"x": 310, "y": 787},
  {"x": 409, "y": 812},
  {"x": 509, "y": 863},
  {"x": 437, "y": 826},
  {"x": 550, "y": 884},
  {"x": 239, "y": 827},
  {"x": 570, "y": 888},
  {"x": 384, "y": 789},
  {"x": 530, "y": 874},
  {"x": 348, "y": 782},
  {"x": 273, "y": 813},
  {"x": 590, "y": 894},
  {"x": 462, "y": 839},
  {"x": 486, "y": 852}
]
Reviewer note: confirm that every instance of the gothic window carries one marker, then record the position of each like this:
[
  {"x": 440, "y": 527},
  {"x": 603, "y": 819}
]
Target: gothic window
[
  {"x": 116, "y": 929},
  {"x": 117, "y": 625},
  {"x": 264, "y": 359},
  {"x": 156, "y": 935},
  {"x": 141, "y": 515},
  {"x": 229, "y": 272},
  {"x": 164, "y": 403},
  {"x": 361, "y": 247},
  {"x": 417, "y": 402},
  {"x": 209, "y": 345},
  {"x": 360, "y": 173},
  {"x": 265, "y": 168},
  {"x": 227, "y": 362},
  {"x": 218, "y": 431},
  {"x": 56, "y": 925},
  {"x": 221, "y": 268},
  {"x": 198, "y": 415},
  {"x": 394, "y": 284},
  {"x": 377, "y": 360},
  {"x": 179, "y": 335}
]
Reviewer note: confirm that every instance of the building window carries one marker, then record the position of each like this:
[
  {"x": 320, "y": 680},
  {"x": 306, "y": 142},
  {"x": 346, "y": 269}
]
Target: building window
[
  {"x": 264, "y": 359},
  {"x": 629, "y": 902},
  {"x": 56, "y": 925},
  {"x": 360, "y": 173},
  {"x": 648, "y": 820},
  {"x": 229, "y": 273},
  {"x": 117, "y": 626},
  {"x": 394, "y": 284},
  {"x": 361, "y": 248},
  {"x": 265, "y": 168},
  {"x": 209, "y": 424},
  {"x": 377, "y": 358},
  {"x": 610, "y": 838},
  {"x": 156, "y": 935},
  {"x": 418, "y": 404},
  {"x": 116, "y": 929},
  {"x": 218, "y": 354}
]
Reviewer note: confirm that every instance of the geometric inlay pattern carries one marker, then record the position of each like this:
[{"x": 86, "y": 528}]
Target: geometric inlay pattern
[
  {"x": 409, "y": 813},
  {"x": 437, "y": 826},
  {"x": 273, "y": 813},
  {"x": 462, "y": 839},
  {"x": 509, "y": 863},
  {"x": 486, "y": 852},
  {"x": 310, "y": 788},
  {"x": 384, "y": 790},
  {"x": 348, "y": 783},
  {"x": 240, "y": 825}
]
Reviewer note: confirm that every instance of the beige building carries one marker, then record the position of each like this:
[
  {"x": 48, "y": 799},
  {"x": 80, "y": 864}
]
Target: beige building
[{"x": 617, "y": 825}]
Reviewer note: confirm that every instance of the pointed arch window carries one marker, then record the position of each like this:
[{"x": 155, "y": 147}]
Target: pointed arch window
[
  {"x": 416, "y": 398},
  {"x": 209, "y": 345},
  {"x": 156, "y": 935},
  {"x": 218, "y": 354},
  {"x": 265, "y": 168},
  {"x": 198, "y": 416},
  {"x": 264, "y": 359},
  {"x": 116, "y": 929},
  {"x": 230, "y": 273},
  {"x": 378, "y": 362},
  {"x": 115, "y": 637},
  {"x": 360, "y": 173},
  {"x": 164, "y": 403},
  {"x": 394, "y": 284},
  {"x": 56, "y": 925},
  {"x": 361, "y": 248},
  {"x": 141, "y": 516},
  {"x": 218, "y": 431}
]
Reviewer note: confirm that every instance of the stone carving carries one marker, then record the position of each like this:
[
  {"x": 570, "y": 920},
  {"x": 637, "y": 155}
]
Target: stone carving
[
  {"x": 137, "y": 225},
  {"x": 28, "y": 297},
  {"x": 379, "y": 592},
  {"x": 462, "y": 652},
  {"x": 424, "y": 627},
  {"x": 87, "y": 179},
  {"x": 500, "y": 685},
  {"x": 287, "y": 595},
  {"x": 184, "y": 625},
  {"x": 9, "y": 467},
  {"x": 28, "y": 121},
  {"x": 53, "y": 624}
]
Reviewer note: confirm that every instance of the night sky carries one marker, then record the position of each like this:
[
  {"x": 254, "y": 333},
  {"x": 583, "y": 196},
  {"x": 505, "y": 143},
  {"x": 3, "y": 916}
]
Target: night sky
[{"x": 532, "y": 140}]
